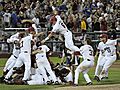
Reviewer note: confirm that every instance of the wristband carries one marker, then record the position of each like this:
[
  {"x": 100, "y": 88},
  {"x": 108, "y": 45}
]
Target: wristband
[{"x": 46, "y": 38}]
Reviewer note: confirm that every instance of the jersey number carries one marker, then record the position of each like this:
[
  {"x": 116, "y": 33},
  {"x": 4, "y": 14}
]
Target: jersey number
[
  {"x": 91, "y": 52},
  {"x": 62, "y": 24},
  {"x": 108, "y": 49},
  {"x": 21, "y": 44}
]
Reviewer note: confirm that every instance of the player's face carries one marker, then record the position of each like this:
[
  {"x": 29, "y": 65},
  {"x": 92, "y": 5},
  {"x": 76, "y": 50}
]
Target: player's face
[
  {"x": 53, "y": 23},
  {"x": 33, "y": 32},
  {"x": 103, "y": 40}
]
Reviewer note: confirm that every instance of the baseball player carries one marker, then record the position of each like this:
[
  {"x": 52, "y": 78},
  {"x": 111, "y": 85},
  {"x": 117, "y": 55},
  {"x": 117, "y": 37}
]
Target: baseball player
[
  {"x": 36, "y": 79},
  {"x": 101, "y": 59},
  {"x": 60, "y": 27},
  {"x": 63, "y": 74},
  {"x": 43, "y": 63},
  {"x": 88, "y": 62},
  {"x": 11, "y": 61},
  {"x": 110, "y": 55},
  {"x": 25, "y": 55},
  {"x": 106, "y": 57}
]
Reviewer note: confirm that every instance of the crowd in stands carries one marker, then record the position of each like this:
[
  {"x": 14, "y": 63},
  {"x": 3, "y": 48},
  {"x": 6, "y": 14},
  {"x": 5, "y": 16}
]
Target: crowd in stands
[
  {"x": 88, "y": 15},
  {"x": 79, "y": 15}
]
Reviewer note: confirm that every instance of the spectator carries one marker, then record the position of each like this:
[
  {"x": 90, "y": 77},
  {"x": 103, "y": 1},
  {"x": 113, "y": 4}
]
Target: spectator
[
  {"x": 36, "y": 20},
  {"x": 95, "y": 24},
  {"x": 103, "y": 24},
  {"x": 83, "y": 27},
  {"x": 6, "y": 18},
  {"x": 14, "y": 19}
]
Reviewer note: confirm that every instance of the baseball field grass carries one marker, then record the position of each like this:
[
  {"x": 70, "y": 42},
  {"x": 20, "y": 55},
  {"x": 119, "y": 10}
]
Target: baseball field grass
[{"x": 114, "y": 79}]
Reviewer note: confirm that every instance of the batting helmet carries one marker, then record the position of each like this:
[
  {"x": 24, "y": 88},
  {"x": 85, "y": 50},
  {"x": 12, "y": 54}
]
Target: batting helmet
[
  {"x": 103, "y": 36},
  {"x": 52, "y": 19},
  {"x": 30, "y": 29}
]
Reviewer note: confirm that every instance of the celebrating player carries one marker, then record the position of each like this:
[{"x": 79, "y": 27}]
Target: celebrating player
[
  {"x": 88, "y": 61},
  {"x": 11, "y": 61},
  {"x": 110, "y": 55},
  {"x": 60, "y": 27},
  {"x": 43, "y": 63}
]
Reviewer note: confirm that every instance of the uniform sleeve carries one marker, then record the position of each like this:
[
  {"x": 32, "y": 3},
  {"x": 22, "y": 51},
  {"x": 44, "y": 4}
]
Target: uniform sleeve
[
  {"x": 98, "y": 46},
  {"x": 30, "y": 36},
  {"x": 47, "y": 49},
  {"x": 13, "y": 38},
  {"x": 81, "y": 49},
  {"x": 112, "y": 42}
]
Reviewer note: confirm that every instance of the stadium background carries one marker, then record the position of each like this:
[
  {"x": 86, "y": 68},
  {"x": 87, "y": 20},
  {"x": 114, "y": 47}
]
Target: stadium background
[{"x": 22, "y": 12}]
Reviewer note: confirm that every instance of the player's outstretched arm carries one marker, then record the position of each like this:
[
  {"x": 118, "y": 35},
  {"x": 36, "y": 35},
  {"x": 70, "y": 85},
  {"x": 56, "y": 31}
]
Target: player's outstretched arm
[
  {"x": 37, "y": 51},
  {"x": 48, "y": 37},
  {"x": 38, "y": 34}
]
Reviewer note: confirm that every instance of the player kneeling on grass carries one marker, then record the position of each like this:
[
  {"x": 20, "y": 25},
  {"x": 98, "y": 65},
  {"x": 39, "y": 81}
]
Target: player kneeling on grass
[
  {"x": 43, "y": 63},
  {"x": 88, "y": 62}
]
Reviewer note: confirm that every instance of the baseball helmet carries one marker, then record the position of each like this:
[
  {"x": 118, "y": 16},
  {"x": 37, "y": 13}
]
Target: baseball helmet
[
  {"x": 52, "y": 19},
  {"x": 30, "y": 29},
  {"x": 103, "y": 36}
]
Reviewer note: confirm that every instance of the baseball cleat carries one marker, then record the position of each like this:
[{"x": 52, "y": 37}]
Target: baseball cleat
[
  {"x": 2, "y": 79},
  {"x": 90, "y": 83},
  {"x": 75, "y": 85},
  {"x": 49, "y": 82},
  {"x": 56, "y": 83},
  {"x": 103, "y": 78},
  {"x": 97, "y": 78}
]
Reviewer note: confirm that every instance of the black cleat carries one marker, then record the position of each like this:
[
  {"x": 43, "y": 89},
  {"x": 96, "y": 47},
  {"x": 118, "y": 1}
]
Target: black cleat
[
  {"x": 75, "y": 85},
  {"x": 106, "y": 77},
  {"x": 24, "y": 82},
  {"x": 90, "y": 83},
  {"x": 49, "y": 82},
  {"x": 103, "y": 78},
  {"x": 97, "y": 78},
  {"x": 2, "y": 79},
  {"x": 56, "y": 83}
]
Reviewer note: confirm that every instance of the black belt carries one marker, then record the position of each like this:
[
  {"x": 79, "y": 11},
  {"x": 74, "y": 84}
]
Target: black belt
[
  {"x": 88, "y": 59},
  {"x": 25, "y": 51},
  {"x": 15, "y": 56}
]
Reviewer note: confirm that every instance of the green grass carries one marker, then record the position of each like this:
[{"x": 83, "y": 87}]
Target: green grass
[{"x": 114, "y": 78}]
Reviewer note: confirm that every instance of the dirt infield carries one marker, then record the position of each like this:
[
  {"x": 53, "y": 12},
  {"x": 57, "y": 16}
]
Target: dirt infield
[{"x": 92, "y": 87}]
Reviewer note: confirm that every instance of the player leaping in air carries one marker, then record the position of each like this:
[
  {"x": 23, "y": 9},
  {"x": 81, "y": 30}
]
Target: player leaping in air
[{"x": 60, "y": 27}]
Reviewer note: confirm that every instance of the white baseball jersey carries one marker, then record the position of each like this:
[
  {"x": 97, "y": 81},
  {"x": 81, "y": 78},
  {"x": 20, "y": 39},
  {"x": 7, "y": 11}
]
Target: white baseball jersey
[
  {"x": 59, "y": 26},
  {"x": 62, "y": 29},
  {"x": 42, "y": 55},
  {"x": 15, "y": 48},
  {"x": 25, "y": 44},
  {"x": 11, "y": 61},
  {"x": 87, "y": 52},
  {"x": 110, "y": 48},
  {"x": 43, "y": 63},
  {"x": 101, "y": 47}
]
